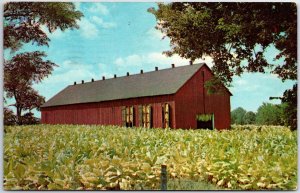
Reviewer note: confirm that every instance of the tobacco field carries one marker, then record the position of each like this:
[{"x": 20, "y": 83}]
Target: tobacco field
[{"x": 77, "y": 157}]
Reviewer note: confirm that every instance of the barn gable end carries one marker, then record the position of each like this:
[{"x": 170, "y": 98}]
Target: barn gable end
[{"x": 192, "y": 100}]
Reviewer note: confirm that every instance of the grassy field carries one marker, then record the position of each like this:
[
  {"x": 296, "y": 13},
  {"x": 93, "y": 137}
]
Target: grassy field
[{"x": 65, "y": 157}]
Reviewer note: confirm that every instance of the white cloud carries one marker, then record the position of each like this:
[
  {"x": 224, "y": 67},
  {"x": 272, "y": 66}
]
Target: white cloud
[
  {"x": 155, "y": 34},
  {"x": 77, "y": 5},
  {"x": 69, "y": 71},
  {"x": 208, "y": 60},
  {"x": 109, "y": 25},
  {"x": 54, "y": 35},
  {"x": 252, "y": 87},
  {"x": 102, "y": 66},
  {"x": 132, "y": 60},
  {"x": 98, "y": 20},
  {"x": 57, "y": 33},
  {"x": 88, "y": 29},
  {"x": 248, "y": 82},
  {"x": 104, "y": 70},
  {"x": 99, "y": 8},
  {"x": 155, "y": 59},
  {"x": 119, "y": 61},
  {"x": 241, "y": 82},
  {"x": 102, "y": 23}
]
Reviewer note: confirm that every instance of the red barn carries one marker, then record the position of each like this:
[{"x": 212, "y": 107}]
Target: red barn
[{"x": 173, "y": 97}]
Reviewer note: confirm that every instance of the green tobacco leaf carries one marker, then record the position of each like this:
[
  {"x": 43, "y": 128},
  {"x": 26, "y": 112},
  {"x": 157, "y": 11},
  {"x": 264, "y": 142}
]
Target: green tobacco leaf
[{"x": 231, "y": 159}]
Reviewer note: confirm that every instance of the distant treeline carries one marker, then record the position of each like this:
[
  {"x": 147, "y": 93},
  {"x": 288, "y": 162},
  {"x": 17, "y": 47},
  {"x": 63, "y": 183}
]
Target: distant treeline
[{"x": 267, "y": 114}]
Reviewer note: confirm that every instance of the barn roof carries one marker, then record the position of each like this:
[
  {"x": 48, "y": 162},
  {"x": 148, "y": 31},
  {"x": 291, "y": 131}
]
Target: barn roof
[{"x": 161, "y": 82}]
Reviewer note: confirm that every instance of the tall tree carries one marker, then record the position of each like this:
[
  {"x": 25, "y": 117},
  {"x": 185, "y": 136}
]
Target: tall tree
[
  {"x": 290, "y": 107},
  {"x": 237, "y": 116},
  {"x": 19, "y": 75},
  {"x": 249, "y": 118},
  {"x": 235, "y": 35},
  {"x": 23, "y": 23},
  {"x": 269, "y": 114}
]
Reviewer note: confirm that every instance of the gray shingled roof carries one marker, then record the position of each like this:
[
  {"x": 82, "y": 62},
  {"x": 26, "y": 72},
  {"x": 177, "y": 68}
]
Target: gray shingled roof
[{"x": 161, "y": 82}]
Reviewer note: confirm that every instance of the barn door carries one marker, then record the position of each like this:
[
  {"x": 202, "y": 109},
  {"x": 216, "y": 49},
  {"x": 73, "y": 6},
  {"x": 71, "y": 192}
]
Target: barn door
[
  {"x": 140, "y": 115},
  {"x": 148, "y": 116},
  {"x": 128, "y": 116},
  {"x": 166, "y": 115},
  {"x": 132, "y": 115},
  {"x": 124, "y": 116},
  {"x": 145, "y": 116},
  {"x": 144, "y": 112},
  {"x": 205, "y": 121}
]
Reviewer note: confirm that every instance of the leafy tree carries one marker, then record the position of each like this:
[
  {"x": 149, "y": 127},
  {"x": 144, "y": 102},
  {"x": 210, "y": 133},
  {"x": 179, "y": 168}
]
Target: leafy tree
[
  {"x": 232, "y": 33},
  {"x": 237, "y": 116},
  {"x": 11, "y": 119},
  {"x": 9, "y": 116},
  {"x": 269, "y": 114},
  {"x": 23, "y": 23},
  {"x": 249, "y": 117},
  {"x": 289, "y": 108},
  {"x": 19, "y": 75},
  {"x": 29, "y": 119}
]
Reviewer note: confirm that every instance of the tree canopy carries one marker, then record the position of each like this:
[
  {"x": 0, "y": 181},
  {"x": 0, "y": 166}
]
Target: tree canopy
[
  {"x": 270, "y": 114},
  {"x": 232, "y": 33},
  {"x": 19, "y": 75},
  {"x": 23, "y": 21},
  {"x": 267, "y": 114},
  {"x": 237, "y": 116},
  {"x": 249, "y": 117}
]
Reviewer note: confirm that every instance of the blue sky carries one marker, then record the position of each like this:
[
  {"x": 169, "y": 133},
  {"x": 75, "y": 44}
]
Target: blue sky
[{"x": 115, "y": 38}]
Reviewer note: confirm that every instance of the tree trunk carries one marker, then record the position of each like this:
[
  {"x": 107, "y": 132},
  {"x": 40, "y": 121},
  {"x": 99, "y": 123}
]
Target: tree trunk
[
  {"x": 19, "y": 109},
  {"x": 19, "y": 115}
]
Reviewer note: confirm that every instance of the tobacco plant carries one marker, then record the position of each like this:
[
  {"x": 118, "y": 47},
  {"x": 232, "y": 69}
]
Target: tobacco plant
[{"x": 77, "y": 157}]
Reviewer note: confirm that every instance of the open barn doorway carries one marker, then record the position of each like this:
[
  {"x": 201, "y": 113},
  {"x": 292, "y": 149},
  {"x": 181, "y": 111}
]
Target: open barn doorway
[
  {"x": 205, "y": 121},
  {"x": 128, "y": 116}
]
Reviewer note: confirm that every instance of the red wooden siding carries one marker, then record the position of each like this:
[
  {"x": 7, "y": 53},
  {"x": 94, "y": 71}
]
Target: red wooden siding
[
  {"x": 190, "y": 101},
  {"x": 106, "y": 113}
]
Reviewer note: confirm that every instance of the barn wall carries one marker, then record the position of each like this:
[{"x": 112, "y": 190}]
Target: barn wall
[
  {"x": 106, "y": 113},
  {"x": 190, "y": 102}
]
